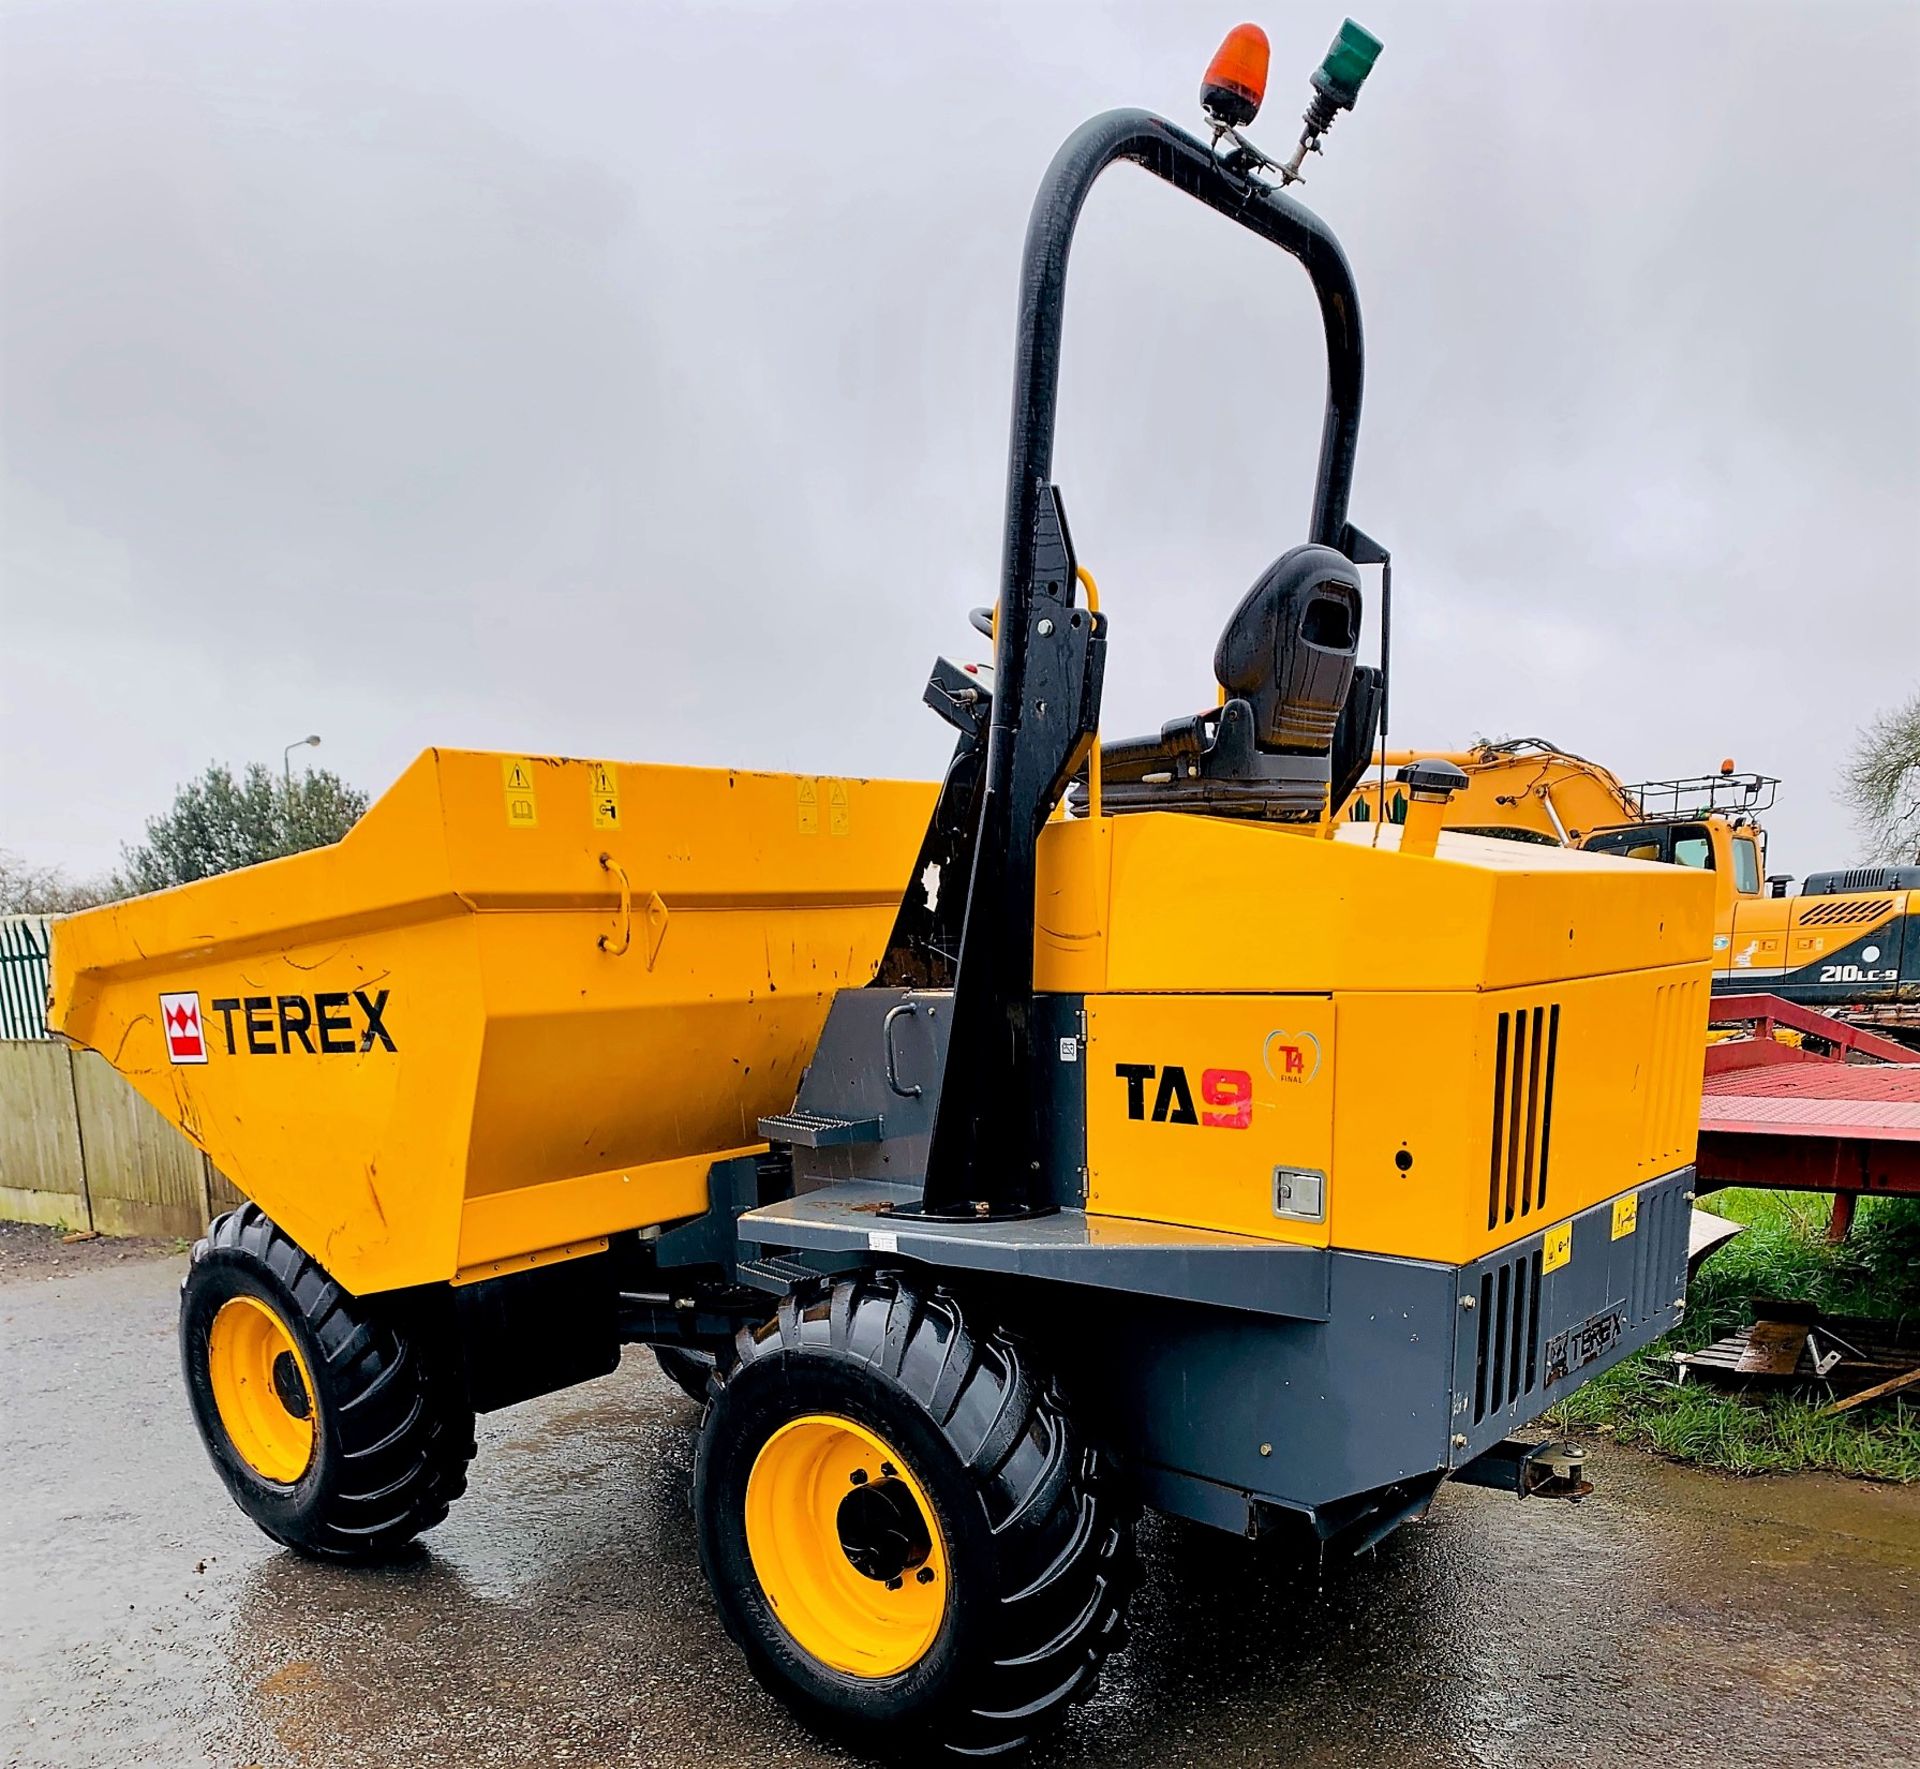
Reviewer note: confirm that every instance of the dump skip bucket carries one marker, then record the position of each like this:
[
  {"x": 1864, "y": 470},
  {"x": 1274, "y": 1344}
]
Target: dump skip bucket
[{"x": 522, "y": 1005}]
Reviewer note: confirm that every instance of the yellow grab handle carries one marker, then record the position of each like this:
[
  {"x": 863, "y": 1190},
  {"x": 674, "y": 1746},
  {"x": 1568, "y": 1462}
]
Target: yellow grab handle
[{"x": 610, "y": 864}]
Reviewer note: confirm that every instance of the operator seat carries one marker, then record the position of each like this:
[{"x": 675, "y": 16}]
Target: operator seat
[{"x": 1298, "y": 715}]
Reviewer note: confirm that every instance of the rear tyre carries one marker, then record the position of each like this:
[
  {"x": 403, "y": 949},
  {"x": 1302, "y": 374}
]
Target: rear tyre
[
  {"x": 688, "y": 1371},
  {"x": 902, "y": 1529},
  {"x": 340, "y": 1426}
]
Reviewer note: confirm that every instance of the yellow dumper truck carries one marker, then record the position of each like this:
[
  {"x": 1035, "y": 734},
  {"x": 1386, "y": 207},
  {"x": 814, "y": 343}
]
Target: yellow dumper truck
[{"x": 1103, "y": 1124}]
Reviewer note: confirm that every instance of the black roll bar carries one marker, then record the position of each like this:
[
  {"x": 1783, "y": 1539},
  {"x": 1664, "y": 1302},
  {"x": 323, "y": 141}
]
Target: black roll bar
[
  {"x": 987, "y": 1141},
  {"x": 1167, "y": 152}
]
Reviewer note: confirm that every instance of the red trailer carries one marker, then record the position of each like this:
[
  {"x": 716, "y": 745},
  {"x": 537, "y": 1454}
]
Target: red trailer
[{"x": 1830, "y": 1107}]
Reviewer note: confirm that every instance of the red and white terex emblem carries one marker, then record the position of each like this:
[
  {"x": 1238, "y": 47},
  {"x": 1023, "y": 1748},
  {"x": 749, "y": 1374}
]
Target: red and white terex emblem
[{"x": 186, "y": 1036}]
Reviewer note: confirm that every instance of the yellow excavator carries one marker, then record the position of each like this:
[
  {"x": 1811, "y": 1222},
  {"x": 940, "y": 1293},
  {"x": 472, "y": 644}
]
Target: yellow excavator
[{"x": 1847, "y": 941}]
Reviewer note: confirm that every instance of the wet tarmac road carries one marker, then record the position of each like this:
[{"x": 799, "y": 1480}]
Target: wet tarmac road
[{"x": 559, "y": 1617}]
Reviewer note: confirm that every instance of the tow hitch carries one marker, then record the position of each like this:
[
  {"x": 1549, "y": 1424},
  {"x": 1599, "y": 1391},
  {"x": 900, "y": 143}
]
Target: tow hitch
[{"x": 1550, "y": 1470}]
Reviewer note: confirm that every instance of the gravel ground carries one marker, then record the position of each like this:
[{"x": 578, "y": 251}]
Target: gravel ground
[{"x": 29, "y": 1251}]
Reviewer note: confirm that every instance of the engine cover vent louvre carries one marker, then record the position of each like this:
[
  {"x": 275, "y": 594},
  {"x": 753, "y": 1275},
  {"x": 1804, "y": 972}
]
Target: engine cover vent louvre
[
  {"x": 1526, "y": 1050},
  {"x": 1843, "y": 911}
]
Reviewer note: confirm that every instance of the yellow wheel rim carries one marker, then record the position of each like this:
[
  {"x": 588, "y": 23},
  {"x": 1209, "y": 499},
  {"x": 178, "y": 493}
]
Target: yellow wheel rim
[
  {"x": 262, "y": 1388},
  {"x": 845, "y": 1546}
]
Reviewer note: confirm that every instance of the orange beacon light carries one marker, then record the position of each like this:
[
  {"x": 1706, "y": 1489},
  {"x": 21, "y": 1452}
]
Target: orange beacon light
[{"x": 1236, "y": 78}]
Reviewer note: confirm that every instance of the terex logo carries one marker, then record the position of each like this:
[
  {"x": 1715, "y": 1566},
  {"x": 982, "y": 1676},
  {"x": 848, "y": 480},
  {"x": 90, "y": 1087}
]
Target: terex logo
[
  {"x": 180, "y": 1019},
  {"x": 1228, "y": 1091},
  {"x": 270, "y": 1025}
]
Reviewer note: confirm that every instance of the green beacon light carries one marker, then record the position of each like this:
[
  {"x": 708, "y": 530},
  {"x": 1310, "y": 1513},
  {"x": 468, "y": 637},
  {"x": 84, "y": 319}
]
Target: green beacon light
[
  {"x": 1349, "y": 61},
  {"x": 1336, "y": 84}
]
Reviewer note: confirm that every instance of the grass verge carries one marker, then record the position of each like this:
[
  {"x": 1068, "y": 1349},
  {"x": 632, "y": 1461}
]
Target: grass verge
[{"x": 1783, "y": 1253}]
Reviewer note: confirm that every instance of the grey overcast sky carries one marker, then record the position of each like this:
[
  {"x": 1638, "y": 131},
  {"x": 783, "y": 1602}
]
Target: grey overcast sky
[{"x": 631, "y": 380}]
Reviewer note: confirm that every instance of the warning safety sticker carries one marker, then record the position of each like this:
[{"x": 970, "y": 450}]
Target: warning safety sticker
[
  {"x": 516, "y": 778},
  {"x": 604, "y": 787}
]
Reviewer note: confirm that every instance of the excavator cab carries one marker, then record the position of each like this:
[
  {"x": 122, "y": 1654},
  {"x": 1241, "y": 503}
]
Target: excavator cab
[{"x": 1670, "y": 844}]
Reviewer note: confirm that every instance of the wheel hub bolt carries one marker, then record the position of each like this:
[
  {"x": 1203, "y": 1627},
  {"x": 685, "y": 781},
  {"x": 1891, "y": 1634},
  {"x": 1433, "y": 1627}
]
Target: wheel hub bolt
[
  {"x": 858, "y": 1477},
  {"x": 924, "y": 1575}
]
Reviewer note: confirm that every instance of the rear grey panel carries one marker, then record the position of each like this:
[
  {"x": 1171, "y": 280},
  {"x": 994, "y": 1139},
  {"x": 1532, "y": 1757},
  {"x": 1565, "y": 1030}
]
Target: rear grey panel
[
  {"x": 1531, "y": 1336},
  {"x": 1378, "y": 1391},
  {"x": 1340, "y": 1406}
]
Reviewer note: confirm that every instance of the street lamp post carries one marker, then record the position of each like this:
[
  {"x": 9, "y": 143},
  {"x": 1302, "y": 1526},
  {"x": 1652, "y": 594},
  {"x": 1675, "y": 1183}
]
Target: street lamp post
[{"x": 286, "y": 757}]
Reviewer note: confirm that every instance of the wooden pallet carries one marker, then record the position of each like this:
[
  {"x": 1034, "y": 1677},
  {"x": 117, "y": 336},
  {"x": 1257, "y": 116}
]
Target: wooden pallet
[{"x": 1872, "y": 1353}]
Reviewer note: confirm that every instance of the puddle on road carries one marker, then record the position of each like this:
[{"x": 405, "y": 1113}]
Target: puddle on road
[{"x": 559, "y": 1615}]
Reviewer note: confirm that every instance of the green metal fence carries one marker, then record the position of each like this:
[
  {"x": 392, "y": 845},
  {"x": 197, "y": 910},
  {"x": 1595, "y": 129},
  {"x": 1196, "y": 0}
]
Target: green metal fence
[{"x": 23, "y": 976}]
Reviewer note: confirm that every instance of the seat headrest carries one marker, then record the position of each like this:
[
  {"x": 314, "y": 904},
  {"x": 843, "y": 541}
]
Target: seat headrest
[{"x": 1289, "y": 648}]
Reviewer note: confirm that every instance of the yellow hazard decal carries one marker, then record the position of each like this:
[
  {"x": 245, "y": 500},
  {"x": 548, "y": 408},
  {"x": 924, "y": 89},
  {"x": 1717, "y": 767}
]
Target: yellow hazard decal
[
  {"x": 516, "y": 778},
  {"x": 1626, "y": 1215},
  {"x": 1558, "y": 1248},
  {"x": 839, "y": 817},
  {"x": 603, "y": 785},
  {"x": 809, "y": 807}
]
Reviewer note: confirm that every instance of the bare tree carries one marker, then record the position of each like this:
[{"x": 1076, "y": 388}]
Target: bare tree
[
  {"x": 1881, "y": 782},
  {"x": 46, "y": 890}
]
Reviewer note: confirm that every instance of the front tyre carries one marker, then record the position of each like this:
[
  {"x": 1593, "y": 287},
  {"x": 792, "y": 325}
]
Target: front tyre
[
  {"x": 902, "y": 1529},
  {"x": 340, "y": 1426}
]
